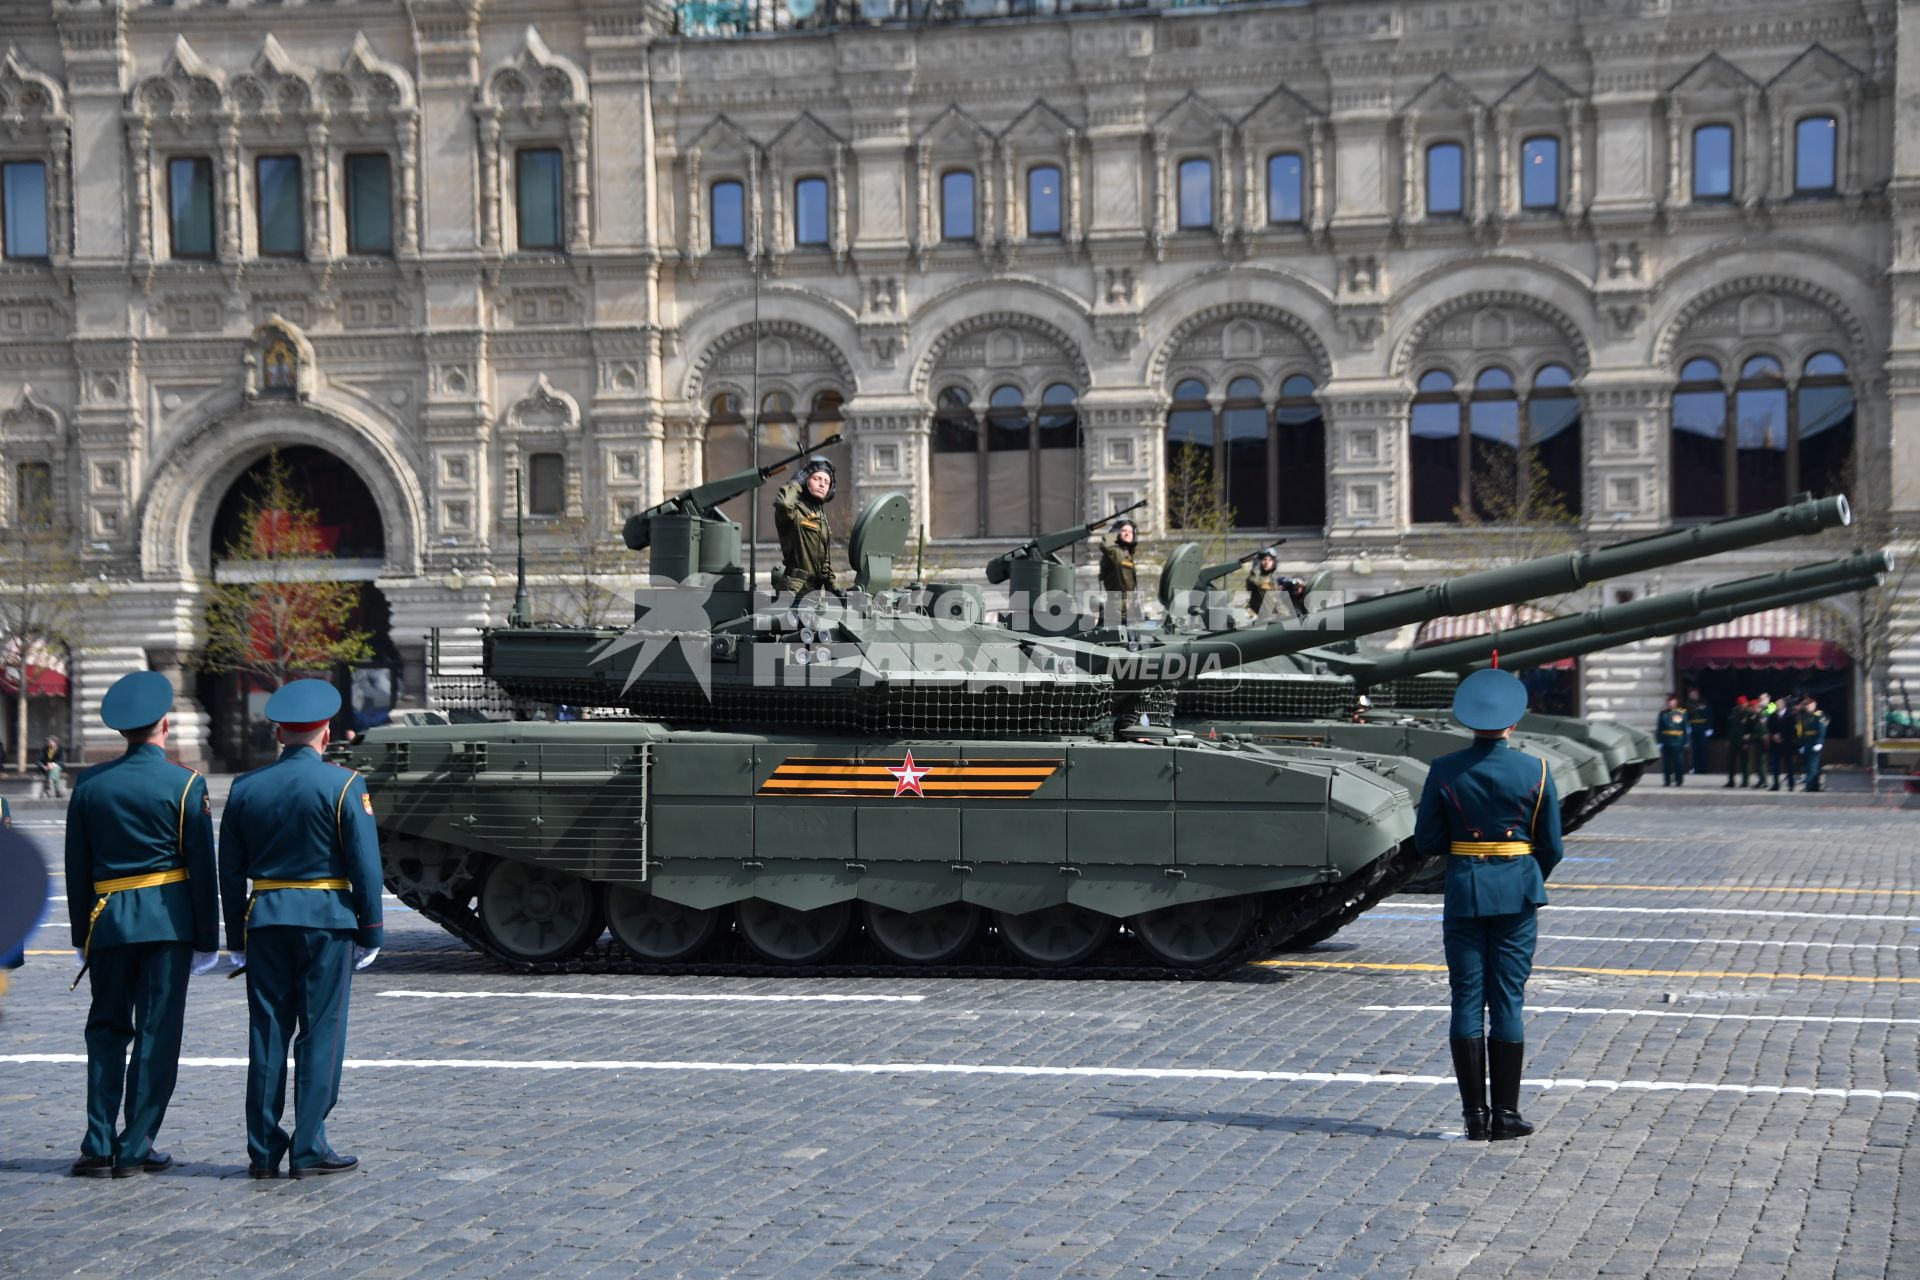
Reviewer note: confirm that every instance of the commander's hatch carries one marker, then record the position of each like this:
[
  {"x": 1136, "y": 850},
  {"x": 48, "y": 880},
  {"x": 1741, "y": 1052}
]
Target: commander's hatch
[
  {"x": 1178, "y": 575},
  {"x": 878, "y": 537}
]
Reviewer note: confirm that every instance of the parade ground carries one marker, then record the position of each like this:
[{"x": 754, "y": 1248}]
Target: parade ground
[{"x": 1723, "y": 1062}]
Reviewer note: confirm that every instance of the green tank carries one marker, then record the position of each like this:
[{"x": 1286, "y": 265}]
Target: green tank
[{"x": 881, "y": 780}]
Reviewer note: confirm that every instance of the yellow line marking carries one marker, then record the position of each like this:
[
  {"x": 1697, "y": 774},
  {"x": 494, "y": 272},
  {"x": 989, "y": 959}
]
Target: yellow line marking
[
  {"x": 1574, "y": 968},
  {"x": 1729, "y": 888}
]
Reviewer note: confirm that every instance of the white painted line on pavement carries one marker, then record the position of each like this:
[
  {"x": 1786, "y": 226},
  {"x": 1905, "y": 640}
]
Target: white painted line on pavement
[
  {"x": 658, "y": 996},
  {"x": 984, "y": 1069},
  {"x": 1736, "y": 942},
  {"x": 1662, "y": 1013},
  {"x": 1685, "y": 911}
]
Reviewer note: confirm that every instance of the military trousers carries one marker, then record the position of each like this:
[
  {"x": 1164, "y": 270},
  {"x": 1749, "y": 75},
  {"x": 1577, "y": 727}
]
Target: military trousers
[
  {"x": 1739, "y": 760},
  {"x": 1699, "y": 739},
  {"x": 1673, "y": 760},
  {"x": 1786, "y": 758},
  {"x": 139, "y": 1001},
  {"x": 297, "y": 979},
  {"x": 1489, "y": 959},
  {"x": 1810, "y": 756}
]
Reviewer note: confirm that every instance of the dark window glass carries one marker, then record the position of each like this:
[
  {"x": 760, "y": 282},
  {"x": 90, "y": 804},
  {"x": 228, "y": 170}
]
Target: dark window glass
[
  {"x": 277, "y": 206},
  {"x": 190, "y": 206},
  {"x": 1699, "y": 442},
  {"x": 369, "y": 204},
  {"x": 1434, "y": 427},
  {"x": 1825, "y": 426},
  {"x": 1196, "y": 194},
  {"x": 1553, "y": 428},
  {"x": 1043, "y": 201},
  {"x": 727, "y": 450},
  {"x": 1057, "y": 468},
  {"x": 1813, "y": 152},
  {"x": 1244, "y": 437},
  {"x": 1713, "y": 162},
  {"x": 954, "y": 474},
  {"x": 1493, "y": 422},
  {"x": 1540, "y": 173},
  {"x": 34, "y": 494},
  {"x": 1009, "y": 511},
  {"x": 546, "y": 485},
  {"x": 1760, "y": 435},
  {"x": 23, "y": 205},
  {"x": 956, "y": 205},
  {"x": 1445, "y": 187},
  {"x": 729, "y": 215},
  {"x": 1300, "y": 448},
  {"x": 1286, "y": 194},
  {"x": 1190, "y": 470},
  {"x": 540, "y": 189},
  {"x": 810, "y": 211}
]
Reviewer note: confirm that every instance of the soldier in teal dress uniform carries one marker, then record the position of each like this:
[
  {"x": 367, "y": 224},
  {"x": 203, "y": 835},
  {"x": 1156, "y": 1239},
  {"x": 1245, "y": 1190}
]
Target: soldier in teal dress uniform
[
  {"x": 1810, "y": 739},
  {"x": 301, "y": 830},
  {"x": 1491, "y": 811},
  {"x": 1670, "y": 728},
  {"x": 140, "y": 886}
]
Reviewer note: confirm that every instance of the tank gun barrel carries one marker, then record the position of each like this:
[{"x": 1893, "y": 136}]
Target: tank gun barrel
[
  {"x": 1214, "y": 572},
  {"x": 1473, "y": 592},
  {"x": 704, "y": 499},
  {"x": 1539, "y": 655},
  {"x": 1046, "y": 544},
  {"x": 1604, "y": 623}
]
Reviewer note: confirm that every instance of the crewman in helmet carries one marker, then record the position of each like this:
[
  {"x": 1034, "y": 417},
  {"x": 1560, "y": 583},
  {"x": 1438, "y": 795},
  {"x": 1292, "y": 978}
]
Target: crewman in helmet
[
  {"x": 800, "y": 519},
  {"x": 1260, "y": 579},
  {"x": 1117, "y": 575}
]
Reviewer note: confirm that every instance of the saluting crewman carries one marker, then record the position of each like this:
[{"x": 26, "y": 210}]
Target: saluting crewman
[
  {"x": 302, "y": 831},
  {"x": 1260, "y": 579},
  {"x": 1118, "y": 577},
  {"x": 141, "y": 894},
  {"x": 1492, "y": 812},
  {"x": 800, "y": 520}
]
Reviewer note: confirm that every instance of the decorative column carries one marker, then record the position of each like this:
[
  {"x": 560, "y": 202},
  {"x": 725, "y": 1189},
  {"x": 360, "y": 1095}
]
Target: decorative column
[
  {"x": 1157, "y": 235},
  {"x": 925, "y": 231},
  {"x": 488, "y": 119},
  {"x": 1229, "y": 183},
  {"x": 139, "y": 144},
  {"x": 1367, "y": 482},
  {"x": 230, "y": 250},
  {"x": 1751, "y": 181},
  {"x": 1576, "y": 158},
  {"x": 1317, "y": 159},
  {"x": 408, "y": 129},
  {"x": 1505, "y": 200},
  {"x": 1479, "y": 206},
  {"x": 891, "y": 440},
  {"x": 1250, "y": 182},
  {"x": 579, "y": 118},
  {"x": 1075, "y": 228},
  {"x": 319, "y": 178},
  {"x": 61, "y": 240},
  {"x": 1123, "y": 430},
  {"x": 1676, "y": 178}
]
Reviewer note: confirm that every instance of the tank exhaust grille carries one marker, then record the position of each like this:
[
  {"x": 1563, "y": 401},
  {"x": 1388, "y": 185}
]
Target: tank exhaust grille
[
  {"x": 1416, "y": 693},
  {"x": 1255, "y": 697}
]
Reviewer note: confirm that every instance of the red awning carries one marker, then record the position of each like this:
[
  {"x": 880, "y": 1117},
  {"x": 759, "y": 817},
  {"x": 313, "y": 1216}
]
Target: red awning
[
  {"x": 1465, "y": 625},
  {"x": 1761, "y": 653},
  {"x": 42, "y": 682}
]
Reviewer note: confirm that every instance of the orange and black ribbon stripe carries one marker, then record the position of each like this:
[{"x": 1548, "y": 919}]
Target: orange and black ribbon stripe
[{"x": 944, "y": 777}]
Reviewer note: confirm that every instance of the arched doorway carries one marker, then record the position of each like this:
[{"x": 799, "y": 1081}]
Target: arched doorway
[{"x": 296, "y": 543}]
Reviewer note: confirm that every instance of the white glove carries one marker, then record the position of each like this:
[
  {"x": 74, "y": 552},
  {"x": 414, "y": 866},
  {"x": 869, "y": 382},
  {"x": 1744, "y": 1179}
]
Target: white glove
[
  {"x": 364, "y": 956},
  {"x": 236, "y": 959},
  {"x": 204, "y": 962},
  {"x": 1818, "y": 745},
  {"x": 79, "y": 958}
]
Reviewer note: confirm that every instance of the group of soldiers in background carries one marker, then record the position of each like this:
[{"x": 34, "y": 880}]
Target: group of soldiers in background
[{"x": 1763, "y": 735}]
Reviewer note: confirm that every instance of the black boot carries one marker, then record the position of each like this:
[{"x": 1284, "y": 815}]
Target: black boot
[
  {"x": 1470, "y": 1065},
  {"x": 1504, "y": 1056}
]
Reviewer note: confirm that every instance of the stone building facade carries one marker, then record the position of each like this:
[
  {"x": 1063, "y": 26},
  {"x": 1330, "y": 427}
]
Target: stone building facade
[{"x": 1344, "y": 256}]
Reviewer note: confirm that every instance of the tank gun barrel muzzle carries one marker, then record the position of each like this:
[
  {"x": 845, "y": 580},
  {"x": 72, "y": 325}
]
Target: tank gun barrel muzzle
[
  {"x": 1609, "y": 620},
  {"x": 1486, "y": 589},
  {"x": 1205, "y": 579}
]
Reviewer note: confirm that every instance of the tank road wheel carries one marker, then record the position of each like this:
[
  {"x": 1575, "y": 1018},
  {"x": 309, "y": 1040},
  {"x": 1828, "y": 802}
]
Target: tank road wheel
[
  {"x": 786, "y": 936},
  {"x": 1193, "y": 935},
  {"x": 934, "y": 936},
  {"x": 656, "y": 930},
  {"x": 1055, "y": 937},
  {"x": 536, "y": 913}
]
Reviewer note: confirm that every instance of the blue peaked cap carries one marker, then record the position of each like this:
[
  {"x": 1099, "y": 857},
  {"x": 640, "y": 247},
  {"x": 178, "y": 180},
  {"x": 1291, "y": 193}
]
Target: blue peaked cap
[
  {"x": 137, "y": 700},
  {"x": 1491, "y": 699},
  {"x": 303, "y": 702}
]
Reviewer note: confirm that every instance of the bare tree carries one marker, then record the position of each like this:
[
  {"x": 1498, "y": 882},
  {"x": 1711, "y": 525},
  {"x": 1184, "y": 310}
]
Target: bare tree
[
  {"x": 40, "y": 602},
  {"x": 582, "y": 594},
  {"x": 281, "y": 617},
  {"x": 1885, "y": 620},
  {"x": 1197, "y": 506},
  {"x": 1516, "y": 514}
]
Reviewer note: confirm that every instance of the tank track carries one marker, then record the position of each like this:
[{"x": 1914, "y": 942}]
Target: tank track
[{"x": 1315, "y": 914}]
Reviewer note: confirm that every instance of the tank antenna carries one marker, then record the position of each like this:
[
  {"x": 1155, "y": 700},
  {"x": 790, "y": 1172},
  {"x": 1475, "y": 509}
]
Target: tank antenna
[{"x": 521, "y": 615}]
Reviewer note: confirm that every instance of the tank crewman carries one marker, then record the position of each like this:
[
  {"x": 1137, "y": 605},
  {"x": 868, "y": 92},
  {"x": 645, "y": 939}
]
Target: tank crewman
[
  {"x": 1738, "y": 722},
  {"x": 1670, "y": 728},
  {"x": 1699, "y": 728},
  {"x": 800, "y": 520},
  {"x": 141, "y": 896},
  {"x": 1492, "y": 813},
  {"x": 1782, "y": 751},
  {"x": 1118, "y": 578},
  {"x": 1260, "y": 579},
  {"x": 1757, "y": 712},
  {"x": 1810, "y": 737},
  {"x": 302, "y": 831}
]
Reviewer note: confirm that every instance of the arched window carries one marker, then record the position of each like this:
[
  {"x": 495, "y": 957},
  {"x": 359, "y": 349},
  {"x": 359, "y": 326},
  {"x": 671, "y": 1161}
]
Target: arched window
[
  {"x": 1493, "y": 457},
  {"x": 956, "y": 205},
  {"x": 1553, "y": 435},
  {"x": 1540, "y": 174},
  {"x": 955, "y": 472},
  {"x": 1286, "y": 189},
  {"x": 1299, "y": 457},
  {"x": 1823, "y": 424},
  {"x": 23, "y": 206},
  {"x": 1193, "y": 500},
  {"x": 1446, "y": 183},
  {"x": 546, "y": 485},
  {"x": 1196, "y": 194},
  {"x": 810, "y": 211},
  {"x": 1043, "y": 201},
  {"x": 1700, "y": 474},
  {"x": 1009, "y": 440},
  {"x": 727, "y": 450},
  {"x": 540, "y": 198},
  {"x": 33, "y": 495},
  {"x": 1056, "y": 464},
  {"x": 1814, "y": 140},
  {"x": 1761, "y": 435},
  {"x": 1434, "y": 449},
  {"x": 1245, "y": 433},
  {"x": 1713, "y": 162},
  {"x": 727, "y": 215}
]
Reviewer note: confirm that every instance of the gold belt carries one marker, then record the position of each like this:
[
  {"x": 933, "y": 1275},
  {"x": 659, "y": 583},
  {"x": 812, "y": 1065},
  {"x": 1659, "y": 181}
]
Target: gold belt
[
  {"x": 120, "y": 884},
  {"x": 262, "y": 886},
  {"x": 1491, "y": 848}
]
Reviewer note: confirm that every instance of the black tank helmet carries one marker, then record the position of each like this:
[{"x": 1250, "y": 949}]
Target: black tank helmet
[{"x": 818, "y": 462}]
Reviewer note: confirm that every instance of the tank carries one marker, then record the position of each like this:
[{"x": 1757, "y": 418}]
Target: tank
[{"x": 881, "y": 781}]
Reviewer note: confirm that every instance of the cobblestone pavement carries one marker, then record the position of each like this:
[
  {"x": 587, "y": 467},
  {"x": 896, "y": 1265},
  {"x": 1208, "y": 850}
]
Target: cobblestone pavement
[{"x": 1723, "y": 1064}]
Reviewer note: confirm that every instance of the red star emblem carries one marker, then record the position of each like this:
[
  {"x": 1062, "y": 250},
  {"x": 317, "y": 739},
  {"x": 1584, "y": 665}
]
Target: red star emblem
[{"x": 907, "y": 778}]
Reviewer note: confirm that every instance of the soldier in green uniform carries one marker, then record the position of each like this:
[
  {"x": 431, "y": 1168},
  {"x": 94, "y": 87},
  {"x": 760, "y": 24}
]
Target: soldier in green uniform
[
  {"x": 1670, "y": 729},
  {"x": 1117, "y": 575},
  {"x": 800, "y": 519},
  {"x": 1810, "y": 737},
  {"x": 1761, "y": 709},
  {"x": 1739, "y": 734},
  {"x": 302, "y": 831},
  {"x": 1492, "y": 813},
  {"x": 1260, "y": 579},
  {"x": 141, "y": 896}
]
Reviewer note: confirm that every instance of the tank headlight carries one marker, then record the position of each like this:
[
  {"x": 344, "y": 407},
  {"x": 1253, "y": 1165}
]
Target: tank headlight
[
  {"x": 806, "y": 635},
  {"x": 800, "y": 657},
  {"x": 823, "y": 654}
]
